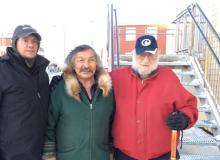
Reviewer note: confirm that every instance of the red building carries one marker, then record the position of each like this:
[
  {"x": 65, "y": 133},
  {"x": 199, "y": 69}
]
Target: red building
[
  {"x": 4, "y": 42},
  {"x": 129, "y": 33}
]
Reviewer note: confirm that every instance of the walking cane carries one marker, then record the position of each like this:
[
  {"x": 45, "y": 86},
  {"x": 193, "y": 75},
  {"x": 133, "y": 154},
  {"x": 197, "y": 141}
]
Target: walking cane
[{"x": 173, "y": 145}]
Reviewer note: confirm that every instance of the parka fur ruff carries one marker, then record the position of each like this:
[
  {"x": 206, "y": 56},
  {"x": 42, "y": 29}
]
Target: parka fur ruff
[{"x": 73, "y": 87}]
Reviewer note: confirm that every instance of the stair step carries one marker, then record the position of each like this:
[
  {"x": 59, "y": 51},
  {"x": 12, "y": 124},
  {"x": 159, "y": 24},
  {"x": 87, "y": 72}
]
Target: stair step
[
  {"x": 206, "y": 123},
  {"x": 175, "y": 63},
  {"x": 171, "y": 64},
  {"x": 172, "y": 57},
  {"x": 124, "y": 63},
  {"x": 201, "y": 95},
  {"x": 205, "y": 108},
  {"x": 199, "y": 157},
  {"x": 194, "y": 83},
  {"x": 200, "y": 140},
  {"x": 184, "y": 73}
]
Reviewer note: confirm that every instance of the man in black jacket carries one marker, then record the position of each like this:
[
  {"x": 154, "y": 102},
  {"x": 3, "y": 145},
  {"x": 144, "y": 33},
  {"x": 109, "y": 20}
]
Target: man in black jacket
[{"x": 24, "y": 94}]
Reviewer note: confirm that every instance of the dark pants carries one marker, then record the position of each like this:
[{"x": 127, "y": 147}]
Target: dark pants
[{"x": 119, "y": 155}]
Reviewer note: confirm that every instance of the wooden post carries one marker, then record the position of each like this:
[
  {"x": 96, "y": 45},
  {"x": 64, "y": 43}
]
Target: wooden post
[{"x": 173, "y": 145}]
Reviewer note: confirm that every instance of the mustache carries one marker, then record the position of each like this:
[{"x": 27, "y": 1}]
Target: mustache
[{"x": 86, "y": 69}]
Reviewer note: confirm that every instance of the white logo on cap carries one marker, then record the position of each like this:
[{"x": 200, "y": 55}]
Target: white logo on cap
[
  {"x": 26, "y": 28},
  {"x": 146, "y": 42}
]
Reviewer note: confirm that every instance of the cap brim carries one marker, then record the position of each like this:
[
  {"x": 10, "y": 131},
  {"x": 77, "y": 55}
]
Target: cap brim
[
  {"x": 152, "y": 52},
  {"x": 29, "y": 33},
  {"x": 145, "y": 51}
]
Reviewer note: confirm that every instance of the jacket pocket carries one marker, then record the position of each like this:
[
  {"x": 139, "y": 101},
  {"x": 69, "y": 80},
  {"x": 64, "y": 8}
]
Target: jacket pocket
[
  {"x": 68, "y": 141},
  {"x": 66, "y": 148}
]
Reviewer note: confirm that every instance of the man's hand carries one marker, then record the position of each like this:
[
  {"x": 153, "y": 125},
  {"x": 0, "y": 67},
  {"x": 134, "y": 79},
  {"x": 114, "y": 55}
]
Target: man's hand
[{"x": 177, "y": 121}]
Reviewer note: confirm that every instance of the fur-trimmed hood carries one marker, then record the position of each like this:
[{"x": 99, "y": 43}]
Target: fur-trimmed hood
[{"x": 73, "y": 87}]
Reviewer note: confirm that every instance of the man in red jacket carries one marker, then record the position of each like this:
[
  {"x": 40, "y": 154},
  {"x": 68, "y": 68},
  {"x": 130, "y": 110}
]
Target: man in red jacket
[{"x": 150, "y": 102}]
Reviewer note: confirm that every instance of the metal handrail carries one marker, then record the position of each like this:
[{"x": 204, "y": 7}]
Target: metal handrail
[
  {"x": 210, "y": 25},
  {"x": 188, "y": 10},
  {"x": 203, "y": 35},
  {"x": 196, "y": 33}
]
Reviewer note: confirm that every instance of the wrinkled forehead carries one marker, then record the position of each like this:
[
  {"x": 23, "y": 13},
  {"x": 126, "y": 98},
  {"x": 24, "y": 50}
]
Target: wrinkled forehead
[{"x": 85, "y": 53}]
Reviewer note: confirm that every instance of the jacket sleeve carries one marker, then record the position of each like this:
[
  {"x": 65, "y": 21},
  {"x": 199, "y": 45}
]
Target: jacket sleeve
[
  {"x": 50, "y": 138},
  {"x": 0, "y": 91},
  {"x": 111, "y": 124},
  {"x": 0, "y": 96},
  {"x": 186, "y": 103}
]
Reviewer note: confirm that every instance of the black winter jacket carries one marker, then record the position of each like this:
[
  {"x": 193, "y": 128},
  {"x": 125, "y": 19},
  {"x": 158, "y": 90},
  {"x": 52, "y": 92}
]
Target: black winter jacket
[{"x": 24, "y": 95}]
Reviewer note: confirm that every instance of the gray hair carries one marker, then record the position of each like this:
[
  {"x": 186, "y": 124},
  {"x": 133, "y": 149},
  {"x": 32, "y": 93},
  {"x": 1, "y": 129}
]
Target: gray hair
[{"x": 71, "y": 56}]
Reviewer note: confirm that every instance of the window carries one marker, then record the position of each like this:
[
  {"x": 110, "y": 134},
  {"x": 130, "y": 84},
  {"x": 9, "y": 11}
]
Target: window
[
  {"x": 130, "y": 34},
  {"x": 152, "y": 31}
]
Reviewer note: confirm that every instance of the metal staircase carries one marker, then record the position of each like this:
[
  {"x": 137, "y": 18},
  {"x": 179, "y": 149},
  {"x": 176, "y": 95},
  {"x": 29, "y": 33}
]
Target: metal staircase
[
  {"x": 199, "y": 142},
  {"x": 198, "y": 41}
]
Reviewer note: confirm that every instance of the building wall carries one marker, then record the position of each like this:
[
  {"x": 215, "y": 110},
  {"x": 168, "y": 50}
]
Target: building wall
[
  {"x": 4, "y": 42},
  {"x": 129, "y": 33}
]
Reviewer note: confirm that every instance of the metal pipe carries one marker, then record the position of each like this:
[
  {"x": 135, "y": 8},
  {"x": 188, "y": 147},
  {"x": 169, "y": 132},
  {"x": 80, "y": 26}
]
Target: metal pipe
[{"x": 117, "y": 40}]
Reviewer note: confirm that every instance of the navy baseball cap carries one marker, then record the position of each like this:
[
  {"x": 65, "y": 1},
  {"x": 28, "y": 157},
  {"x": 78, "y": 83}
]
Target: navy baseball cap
[
  {"x": 22, "y": 31},
  {"x": 146, "y": 43}
]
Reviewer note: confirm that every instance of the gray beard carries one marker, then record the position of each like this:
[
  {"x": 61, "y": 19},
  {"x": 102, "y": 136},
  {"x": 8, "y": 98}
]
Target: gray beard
[{"x": 145, "y": 75}]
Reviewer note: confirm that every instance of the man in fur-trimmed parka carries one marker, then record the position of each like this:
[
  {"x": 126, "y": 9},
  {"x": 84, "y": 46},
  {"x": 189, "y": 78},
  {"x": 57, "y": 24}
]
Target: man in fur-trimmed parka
[{"x": 81, "y": 109}]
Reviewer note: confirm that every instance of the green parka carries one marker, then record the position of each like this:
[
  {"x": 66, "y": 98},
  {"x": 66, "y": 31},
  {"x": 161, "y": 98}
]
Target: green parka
[{"x": 79, "y": 129}]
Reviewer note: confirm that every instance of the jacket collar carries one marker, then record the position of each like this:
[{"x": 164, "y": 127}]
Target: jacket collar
[{"x": 14, "y": 58}]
